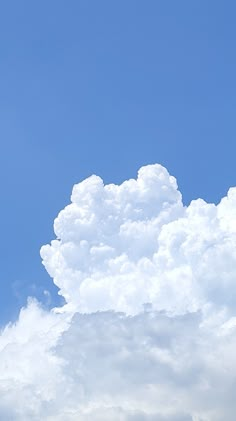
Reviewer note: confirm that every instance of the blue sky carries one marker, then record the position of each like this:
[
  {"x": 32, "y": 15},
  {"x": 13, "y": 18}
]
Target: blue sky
[{"x": 106, "y": 87}]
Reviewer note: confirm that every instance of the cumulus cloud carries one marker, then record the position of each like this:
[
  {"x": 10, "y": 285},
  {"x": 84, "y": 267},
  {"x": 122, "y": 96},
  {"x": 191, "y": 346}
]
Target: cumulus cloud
[
  {"x": 119, "y": 247},
  {"x": 148, "y": 329}
]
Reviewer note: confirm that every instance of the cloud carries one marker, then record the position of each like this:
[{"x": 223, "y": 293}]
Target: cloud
[
  {"x": 108, "y": 365},
  {"x": 119, "y": 247},
  {"x": 148, "y": 329}
]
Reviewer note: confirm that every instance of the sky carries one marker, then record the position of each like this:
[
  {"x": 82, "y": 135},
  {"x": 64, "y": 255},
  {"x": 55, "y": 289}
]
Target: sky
[
  {"x": 117, "y": 172},
  {"x": 104, "y": 88}
]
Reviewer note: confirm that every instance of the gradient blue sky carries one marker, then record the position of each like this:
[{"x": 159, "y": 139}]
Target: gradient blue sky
[{"x": 105, "y": 87}]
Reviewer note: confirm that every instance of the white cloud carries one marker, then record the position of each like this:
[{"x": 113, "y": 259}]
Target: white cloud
[
  {"x": 118, "y": 248},
  {"x": 121, "y": 246}
]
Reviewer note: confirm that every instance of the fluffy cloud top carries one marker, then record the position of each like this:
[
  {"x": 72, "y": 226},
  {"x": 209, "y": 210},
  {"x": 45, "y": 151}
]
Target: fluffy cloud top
[
  {"x": 119, "y": 247},
  {"x": 148, "y": 329}
]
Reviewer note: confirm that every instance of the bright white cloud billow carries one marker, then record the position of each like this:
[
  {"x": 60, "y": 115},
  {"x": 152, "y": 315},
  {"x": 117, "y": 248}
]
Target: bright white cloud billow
[{"x": 148, "y": 331}]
